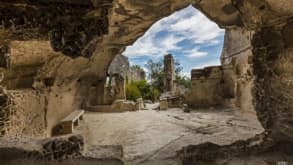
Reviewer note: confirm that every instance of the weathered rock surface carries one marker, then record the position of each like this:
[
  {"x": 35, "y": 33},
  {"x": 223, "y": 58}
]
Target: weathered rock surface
[
  {"x": 70, "y": 27},
  {"x": 23, "y": 119},
  {"x": 49, "y": 149},
  {"x": 120, "y": 65},
  {"x": 62, "y": 150},
  {"x": 100, "y": 30}
]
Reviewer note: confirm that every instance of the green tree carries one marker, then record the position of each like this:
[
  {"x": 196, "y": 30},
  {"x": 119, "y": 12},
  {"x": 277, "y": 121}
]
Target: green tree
[
  {"x": 180, "y": 79},
  {"x": 156, "y": 74},
  {"x": 155, "y": 68},
  {"x": 137, "y": 89},
  {"x": 178, "y": 68},
  {"x": 138, "y": 68},
  {"x": 184, "y": 81}
]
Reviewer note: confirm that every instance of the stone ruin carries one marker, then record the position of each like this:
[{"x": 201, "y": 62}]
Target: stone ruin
[
  {"x": 114, "y": 99},
  {"x": 135, "y": 74},
  {"x": 230, "y": 84},
  {"x": 173, "y": 96},
  {"x": 55, "y": 55},
  {"x": 209, "y": 87},
  {"x": 169, "y": 72}
]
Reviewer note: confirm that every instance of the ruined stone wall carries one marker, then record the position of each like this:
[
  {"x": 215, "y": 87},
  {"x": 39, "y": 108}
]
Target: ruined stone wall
[
  {"x": 135, "y": 74},
  {"x": 206, "y": 88},
  {"x": 237, "y": 73}
]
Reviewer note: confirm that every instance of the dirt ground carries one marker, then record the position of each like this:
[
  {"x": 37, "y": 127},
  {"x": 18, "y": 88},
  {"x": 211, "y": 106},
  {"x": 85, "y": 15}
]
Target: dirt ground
[{"x": 154, "y": 136}]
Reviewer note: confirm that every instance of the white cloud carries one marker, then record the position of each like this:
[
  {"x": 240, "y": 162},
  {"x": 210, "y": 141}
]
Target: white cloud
[
  {"x": 186, "y": 74},
  {"x": 207, "y": 63},
  {"x": 187, "y": 24},
  {"x": 145, "y": 69},
  {"x": 170, "y": 42},
  {"x": 194, "y": 53}
]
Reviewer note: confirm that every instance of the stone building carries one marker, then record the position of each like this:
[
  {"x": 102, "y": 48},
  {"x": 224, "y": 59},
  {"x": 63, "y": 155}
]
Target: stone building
[{"x": 173, "y": 95}]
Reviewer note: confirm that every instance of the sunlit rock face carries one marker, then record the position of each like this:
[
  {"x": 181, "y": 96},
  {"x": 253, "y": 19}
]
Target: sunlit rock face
[{"x": 61, "y": 49}]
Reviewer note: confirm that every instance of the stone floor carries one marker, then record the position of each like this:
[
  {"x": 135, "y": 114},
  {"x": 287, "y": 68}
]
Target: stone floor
[{"x": 153, "y": 137}]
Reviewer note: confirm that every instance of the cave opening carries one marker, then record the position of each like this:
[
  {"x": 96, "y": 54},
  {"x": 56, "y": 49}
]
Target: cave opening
[
  {"x": 55, "y": 59},
  {"x": 213, "y": 105}
]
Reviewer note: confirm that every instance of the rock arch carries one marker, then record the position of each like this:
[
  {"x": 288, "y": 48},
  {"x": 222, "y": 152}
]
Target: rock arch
[{"x": 99, "y": 30}]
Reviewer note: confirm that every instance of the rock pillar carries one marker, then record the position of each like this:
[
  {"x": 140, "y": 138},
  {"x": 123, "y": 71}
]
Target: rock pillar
[{"x": 169, "y": 71}]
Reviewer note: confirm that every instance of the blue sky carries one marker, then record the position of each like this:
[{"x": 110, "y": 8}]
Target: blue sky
[{"x": 191, "y": 37}]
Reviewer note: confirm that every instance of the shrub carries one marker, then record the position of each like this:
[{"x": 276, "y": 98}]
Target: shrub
[
  {"x": 132, "y": 92},
  {"x": 137, "y": 89},
  {"x": 155, "y": 94}
]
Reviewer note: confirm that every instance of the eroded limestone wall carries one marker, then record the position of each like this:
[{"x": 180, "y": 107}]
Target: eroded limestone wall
[
  {"x": 237, "y": 52},
  {"x": 41, "y": 97},
  {"x": 25, "y": 59},
  {"x": 27, "y": 113}
]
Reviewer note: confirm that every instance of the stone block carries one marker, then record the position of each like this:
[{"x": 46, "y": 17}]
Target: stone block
[
  {"x": 163, "y": 104},
  {"x": 140, "y": 103}
]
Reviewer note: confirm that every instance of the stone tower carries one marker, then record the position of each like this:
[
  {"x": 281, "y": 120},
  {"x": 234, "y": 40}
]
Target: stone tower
[{"x": 169, "y": 71}]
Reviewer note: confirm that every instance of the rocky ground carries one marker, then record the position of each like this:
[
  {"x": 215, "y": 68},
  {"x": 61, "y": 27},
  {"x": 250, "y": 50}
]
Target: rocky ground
[{"x": 153, "y": 137}]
